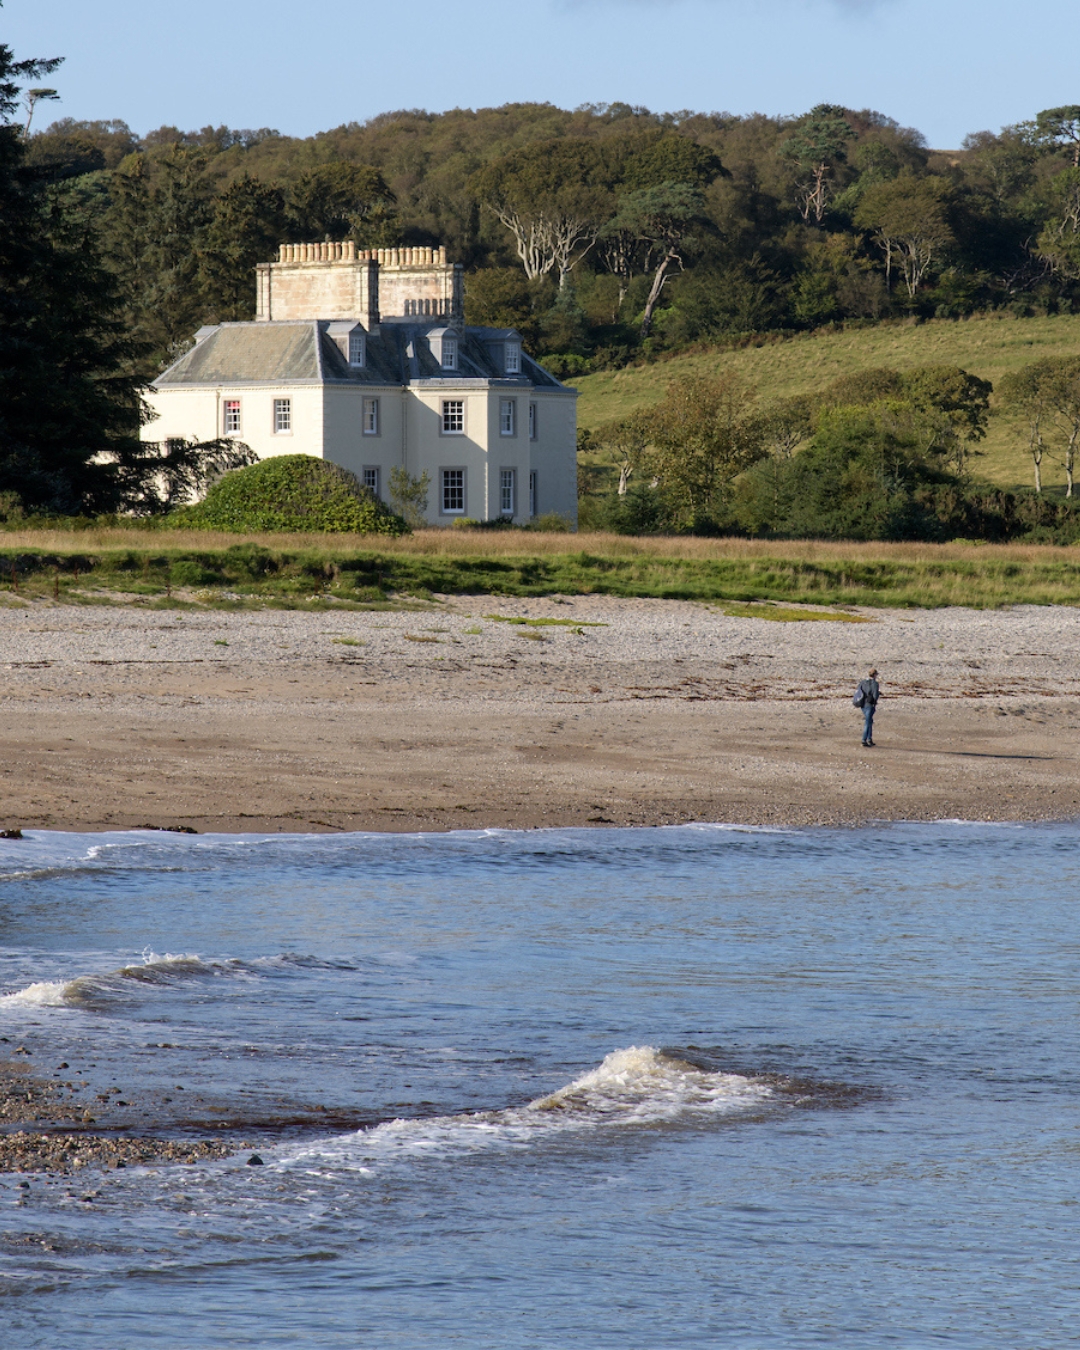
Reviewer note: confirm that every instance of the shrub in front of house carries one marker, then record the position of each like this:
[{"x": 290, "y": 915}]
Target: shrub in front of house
[{"x": 294, "y": 493}]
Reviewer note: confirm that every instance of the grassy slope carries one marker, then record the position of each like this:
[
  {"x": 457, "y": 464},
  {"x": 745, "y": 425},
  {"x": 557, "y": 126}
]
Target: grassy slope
[{"x": 989, "y": 347}]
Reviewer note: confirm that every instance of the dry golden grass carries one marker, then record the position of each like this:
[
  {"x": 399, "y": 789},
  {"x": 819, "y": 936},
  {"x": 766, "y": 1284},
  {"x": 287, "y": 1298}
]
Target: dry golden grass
[{"x": 525, "y": 544}]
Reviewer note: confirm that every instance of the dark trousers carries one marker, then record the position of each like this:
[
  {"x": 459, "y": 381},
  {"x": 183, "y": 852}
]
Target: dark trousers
[{"x": 868, "y": 722}]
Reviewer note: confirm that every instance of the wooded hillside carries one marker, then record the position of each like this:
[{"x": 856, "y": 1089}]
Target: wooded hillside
[
  {"x": 607, "y": 233},
  {"x": 610, "y": 236}
]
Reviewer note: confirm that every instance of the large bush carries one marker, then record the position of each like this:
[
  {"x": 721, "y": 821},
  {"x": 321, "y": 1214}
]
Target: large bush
[
  {"x": 867, "y": 474},
  {"x": 294, "y": 493}
]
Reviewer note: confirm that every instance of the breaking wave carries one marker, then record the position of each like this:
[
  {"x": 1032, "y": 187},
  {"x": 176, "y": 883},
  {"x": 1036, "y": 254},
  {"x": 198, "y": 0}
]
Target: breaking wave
[
  {"x": 641, "y": 1085},
  {"x": 88, "y": 991},
  {"x": 168, "y": 971}
]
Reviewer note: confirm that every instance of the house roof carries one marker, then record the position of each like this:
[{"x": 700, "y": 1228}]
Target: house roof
[
  {"x": 249, "y": 351},
  {"x": 303, "y": 352}
]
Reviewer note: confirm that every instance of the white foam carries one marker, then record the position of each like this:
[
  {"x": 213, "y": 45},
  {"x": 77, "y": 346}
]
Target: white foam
[
  {"x": 640, "y": 1085},
  {"x": 85, "y": 990},
  {"x": 44, "y": 994}
]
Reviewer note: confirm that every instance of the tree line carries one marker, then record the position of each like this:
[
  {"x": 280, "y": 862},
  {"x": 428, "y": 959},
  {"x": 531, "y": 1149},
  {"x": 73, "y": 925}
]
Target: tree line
[{"x": 603, "y": 233}]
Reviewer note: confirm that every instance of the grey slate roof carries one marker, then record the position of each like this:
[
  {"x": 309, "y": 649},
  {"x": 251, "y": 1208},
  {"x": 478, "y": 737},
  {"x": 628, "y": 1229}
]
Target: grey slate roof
[
  {"x": 301, "y": 351},
  {"x": 238, "y": 352}
]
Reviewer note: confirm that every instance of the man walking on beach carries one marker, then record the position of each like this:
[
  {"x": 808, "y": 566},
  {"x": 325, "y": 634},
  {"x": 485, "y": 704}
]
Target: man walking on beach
[{"x": 866, "y": 698}]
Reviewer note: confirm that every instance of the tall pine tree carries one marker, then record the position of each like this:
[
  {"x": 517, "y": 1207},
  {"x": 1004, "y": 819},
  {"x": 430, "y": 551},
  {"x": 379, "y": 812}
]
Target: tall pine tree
[{"x": 70, "y": 405}]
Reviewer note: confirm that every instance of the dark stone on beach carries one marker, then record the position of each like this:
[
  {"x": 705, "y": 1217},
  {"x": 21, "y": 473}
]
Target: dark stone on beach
[
  {"x": 11, "y": 834},
  {"x": 255, "y": 1161},
  {"x": 167, "y": 829}
]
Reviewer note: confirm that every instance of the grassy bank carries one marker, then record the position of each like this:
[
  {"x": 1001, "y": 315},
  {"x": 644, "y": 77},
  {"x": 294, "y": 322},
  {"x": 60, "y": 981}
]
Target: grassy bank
[
  {"x": 102, "y": 566},
  {"x": 988, "y": 346}
]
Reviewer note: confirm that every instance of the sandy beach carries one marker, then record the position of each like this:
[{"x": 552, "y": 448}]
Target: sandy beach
[{"x": 626, "y": 712}]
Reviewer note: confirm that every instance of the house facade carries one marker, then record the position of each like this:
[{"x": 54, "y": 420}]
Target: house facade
[{"x": 362, "y": 357}]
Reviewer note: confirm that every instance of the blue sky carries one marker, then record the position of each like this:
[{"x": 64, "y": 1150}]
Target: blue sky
[{"x": 945, "y": 66}]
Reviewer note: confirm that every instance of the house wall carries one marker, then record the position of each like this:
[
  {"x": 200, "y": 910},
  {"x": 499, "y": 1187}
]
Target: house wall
[
  {"x": 553, "y": 454},
  {"x": 197, "y": 414},
  {"x": 483, "y": 451},
  {"x": 428, "y": 449},
  {"x": 328, "y": 421},
  {"x": 345, "y": 441},
  {"x": 508, "y": 452}
]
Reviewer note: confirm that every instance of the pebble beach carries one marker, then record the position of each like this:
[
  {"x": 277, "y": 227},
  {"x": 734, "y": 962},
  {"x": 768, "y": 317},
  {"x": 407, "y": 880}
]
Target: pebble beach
[{"x": 594, "y": 711}]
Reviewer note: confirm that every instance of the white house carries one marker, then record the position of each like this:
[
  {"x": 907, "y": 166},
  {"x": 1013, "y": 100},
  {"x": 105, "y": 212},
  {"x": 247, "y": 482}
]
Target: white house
[{"x": 362, "y": 358}]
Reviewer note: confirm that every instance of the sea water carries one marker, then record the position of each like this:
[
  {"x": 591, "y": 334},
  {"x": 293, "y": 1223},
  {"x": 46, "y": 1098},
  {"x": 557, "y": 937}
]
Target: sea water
[{"x": 698, "y": 1086}]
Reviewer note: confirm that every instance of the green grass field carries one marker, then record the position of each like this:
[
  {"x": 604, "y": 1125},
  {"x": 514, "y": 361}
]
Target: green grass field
[
  {"x": 989, "y": 347},
  {"x": 318, "y": 572}
]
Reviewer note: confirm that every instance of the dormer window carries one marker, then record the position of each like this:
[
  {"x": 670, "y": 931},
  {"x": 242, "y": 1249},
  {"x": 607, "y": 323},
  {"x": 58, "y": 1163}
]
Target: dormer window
[
  {"x": 350, "y": 340},
  {"x": 512, "y": 359},
  {"x": 449, "y": 353}
]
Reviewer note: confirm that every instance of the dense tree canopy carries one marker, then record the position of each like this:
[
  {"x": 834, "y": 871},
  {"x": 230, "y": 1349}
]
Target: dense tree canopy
[
  {"x": 68, "y": 405},
  {"x": 70, "y": 394},
  {"x": 654, "y": 229}
]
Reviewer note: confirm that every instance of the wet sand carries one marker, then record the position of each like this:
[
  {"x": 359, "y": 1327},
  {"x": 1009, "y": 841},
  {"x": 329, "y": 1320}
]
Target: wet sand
[{"x": 631, "y": 712}]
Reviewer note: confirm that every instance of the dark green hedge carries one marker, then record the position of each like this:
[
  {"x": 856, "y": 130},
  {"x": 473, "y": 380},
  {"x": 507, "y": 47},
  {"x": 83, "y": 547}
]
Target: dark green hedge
[{"x": 292, "y": 493}]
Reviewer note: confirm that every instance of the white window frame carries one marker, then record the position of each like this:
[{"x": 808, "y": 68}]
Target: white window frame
[
  {"x": 448, "y": 353},
  {"x": 512, "y": 358},
  {"x": 508, "y": 417},
  {"x": 507, "y": 492},
  {"x": 230, "y": 410},
  {"x": 357, "y": 350},
  {"x": 283, "y": 417},
  {"x": 446, "y": 416},
  {"x": 371, "y": 476},
  {"x": 532, "y": 493},
  {"x": 532, "y": 421},
  {"x": 445, "y": 486},
  {"x": 370, "y": 417}
]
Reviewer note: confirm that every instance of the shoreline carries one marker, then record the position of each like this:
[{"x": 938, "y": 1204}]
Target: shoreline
[
  {"x": 488, "y": 713},
  {"x": 779, "y": 820}
]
